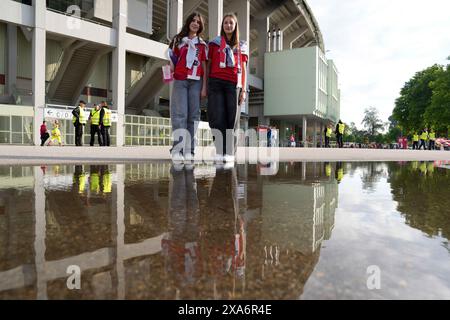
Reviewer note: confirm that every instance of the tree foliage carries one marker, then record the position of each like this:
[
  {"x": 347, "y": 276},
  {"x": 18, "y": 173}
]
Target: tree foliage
[{"x": 372, "y": 121}]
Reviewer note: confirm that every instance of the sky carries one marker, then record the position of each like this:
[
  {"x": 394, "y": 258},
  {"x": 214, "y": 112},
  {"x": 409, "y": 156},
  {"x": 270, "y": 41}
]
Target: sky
[{"x": 379, "y": 45}]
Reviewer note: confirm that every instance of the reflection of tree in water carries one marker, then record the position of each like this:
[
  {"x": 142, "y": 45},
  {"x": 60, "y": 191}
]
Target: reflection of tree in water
[
  {"x": 371, "y": 175},
  {"x": 422, "y": 196}
]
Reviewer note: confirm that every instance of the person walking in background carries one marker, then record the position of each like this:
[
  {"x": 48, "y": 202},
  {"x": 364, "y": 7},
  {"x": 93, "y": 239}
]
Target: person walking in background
[
  {"x": 227, "y": 65},
  {"x": 340, "y": 129},
  {"x": 56, "y": 134},
  {"x": 432, "y": 138},
  {"x": 79, "y": 121},
  {"x": 423, "y": 139},
  {"x": 415, "y": 140},
  {"x": 105, "y": 123},
  {"x": 94, "y": 117},
  {"x": 44, "y": 133},
  {"x": 189, "y": 53}
]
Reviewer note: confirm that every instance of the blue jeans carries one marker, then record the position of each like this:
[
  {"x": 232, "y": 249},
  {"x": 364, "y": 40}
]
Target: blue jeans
[{"x": 185, "y": 114}]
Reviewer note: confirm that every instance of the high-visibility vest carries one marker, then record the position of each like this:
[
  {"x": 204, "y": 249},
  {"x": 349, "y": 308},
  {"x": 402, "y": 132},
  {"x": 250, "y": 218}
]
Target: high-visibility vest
[
  {"x": 95, "y": 117},
  {"x": 107, "y": 182},
  {"x": 328, "y": 170},
  {"x": 107, "y": 117},
  {"x": 432, "y": 136},
  {"x": 95, "y": 182},
  {"x": 423, "y": 168},
  {"x": 82, "y": 116},
  {"x": 82, "y": 183},
  {"x": 329, "y": 132},
  {"x": 416, "y": 138},
  {"x": 340, "y": 174},
  {"x": 56, "y": 133},
  {"x": 424, "y": 136},
  {"x": 341, "y": 128}
]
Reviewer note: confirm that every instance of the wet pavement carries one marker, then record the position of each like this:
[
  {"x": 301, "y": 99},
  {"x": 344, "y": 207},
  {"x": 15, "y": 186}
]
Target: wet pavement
[{"x": 282, "y": 231}]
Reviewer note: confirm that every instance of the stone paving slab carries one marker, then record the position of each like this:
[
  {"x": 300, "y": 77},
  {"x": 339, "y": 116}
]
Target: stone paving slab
[{"x": 50, "y": 155}]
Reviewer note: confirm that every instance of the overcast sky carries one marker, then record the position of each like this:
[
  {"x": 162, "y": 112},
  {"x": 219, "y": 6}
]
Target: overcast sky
[{"x": 379, "y": 45}]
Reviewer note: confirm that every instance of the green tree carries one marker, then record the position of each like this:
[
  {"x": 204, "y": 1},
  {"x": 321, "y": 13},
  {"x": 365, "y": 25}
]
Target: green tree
[
  {"x": 415, "y": 98},
  {"x": 437, "y": 114},
  {"x": 372, "y": 121}
]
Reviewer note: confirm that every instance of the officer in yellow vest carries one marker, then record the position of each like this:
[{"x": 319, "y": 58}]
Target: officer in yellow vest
[
  {"x": 339, "y": 172},
  {"x": 432, "y": 137},
  {"x": 328, "y": 170},
  {"x": 79, "y": 121},
  {"x": 423, "y": 139},
  {"x": 328, "y": 132},
  {"x": 105, "y": 123},
  {"x": 94, "y": 117},
  {"x": 415, "y": 141},
  {"x": 94, "y": 180},
  {"x": 340, "y": 129},
  {"x": 106, "y": 180}
]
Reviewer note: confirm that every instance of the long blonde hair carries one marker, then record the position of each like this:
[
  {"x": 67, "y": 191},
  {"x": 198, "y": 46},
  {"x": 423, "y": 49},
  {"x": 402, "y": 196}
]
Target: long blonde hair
[{"x": 234, "y": 41}]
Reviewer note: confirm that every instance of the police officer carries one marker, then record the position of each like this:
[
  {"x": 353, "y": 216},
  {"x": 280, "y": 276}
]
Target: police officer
[
  {"x": 415, "y": 141},
  {"x": 94, "y": 117},
  {"x": 432, "y": 137},
  {"x": 340, "y": 129},
  {"x": 328, "y": 133},
  {"x": 79, "y": 121},
  {"x": 105, "y": 123},
  {"x": 423, "y": 139}
]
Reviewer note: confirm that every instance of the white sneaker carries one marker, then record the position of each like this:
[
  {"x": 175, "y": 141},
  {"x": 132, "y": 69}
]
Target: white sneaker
[
  {"x": 189, "y": 157},
  {"x": 177, "y": 157},
  {"x": 218, "y": 158},
  {"x": 228, "y": 158}
]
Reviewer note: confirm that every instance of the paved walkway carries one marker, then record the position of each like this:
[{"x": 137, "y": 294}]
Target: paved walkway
[{"x": 48, "y": 155}]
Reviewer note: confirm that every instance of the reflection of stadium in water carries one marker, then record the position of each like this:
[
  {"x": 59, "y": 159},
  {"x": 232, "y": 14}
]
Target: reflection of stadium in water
[{"x": 144, "y": 231}]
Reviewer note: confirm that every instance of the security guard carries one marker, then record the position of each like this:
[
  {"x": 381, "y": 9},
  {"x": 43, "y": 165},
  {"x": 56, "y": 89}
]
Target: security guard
[
  {"x": 94, "y": 117},
  {"x": 94, "y": 180},
  {"x": 432, "y": 137},
  {"x": 328, "y": 170},
  {"x": 105, "y": 122},
  {"x": 415, "y": 141},
  {"x": 328, "y": 133},
  {"x": 423, "y": 139},
  {"x": 79, "y": 121},
  {"x": 107, "y": 181},
  {"x": 340, "y": 129}
]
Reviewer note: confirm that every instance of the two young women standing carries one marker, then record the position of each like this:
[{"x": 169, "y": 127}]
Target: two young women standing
[{"x": 217, "y": 71}]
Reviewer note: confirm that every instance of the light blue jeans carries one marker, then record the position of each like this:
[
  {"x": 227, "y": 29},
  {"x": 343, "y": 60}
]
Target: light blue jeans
[{"x": 185, "y": 114}]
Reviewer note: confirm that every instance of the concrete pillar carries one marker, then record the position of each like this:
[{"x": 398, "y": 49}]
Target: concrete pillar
[
  {"x": 11, "y": 76},
  {"x": 175, "y": 16},
  {"x": 38, "y": 66},
  {"x": 263, "y": 27},
  {"x": 215, "y": 8},
  {"x": 315, "y": 134},
  {"x": 40, "y": 232},
  {"x": 304, "y": 131},
  {"x": 120, "y": 11}
]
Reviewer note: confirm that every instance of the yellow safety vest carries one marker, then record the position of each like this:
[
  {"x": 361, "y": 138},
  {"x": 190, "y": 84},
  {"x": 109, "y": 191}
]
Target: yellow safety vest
[
  {"x": 340, "y": 174},
  {"x": 416, "y": 138},
  {"x": 432, "y": 136},
  {"x": 95, "y": 182},
  {"x": 424, "y": 136},
  {"x": 95, "y": 117},
  {"x": 82, "y": 183},
  {"x": 341, "y": 128},
  {"x": 107, "y": 117},
  {"x": 56, "y": 133},
  {"x": 329, "y": 132},
  {"x": 107, "y": 183},
  {"x": 430, "y": 168},
  {"x": 82, "y": 116},
  {"x": 423, "y": 168},
  {"x": 328, "y": 170}
]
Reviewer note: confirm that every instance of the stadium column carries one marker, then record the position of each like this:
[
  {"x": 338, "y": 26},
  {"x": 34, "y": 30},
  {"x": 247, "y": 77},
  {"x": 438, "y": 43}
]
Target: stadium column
[
  {"x": 215, "y": 8},
  {"x": 12, "y": 58},
  {"x": 118, "y": 67},
  {"x": 40, "y": 233},
  {"x": 304, "y": 131},
  {"x": 38, "y": 66}
]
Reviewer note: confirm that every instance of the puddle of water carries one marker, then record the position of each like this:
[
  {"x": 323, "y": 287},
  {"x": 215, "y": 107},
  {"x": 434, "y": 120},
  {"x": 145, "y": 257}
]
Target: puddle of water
[{"x": 285, "y": 231}]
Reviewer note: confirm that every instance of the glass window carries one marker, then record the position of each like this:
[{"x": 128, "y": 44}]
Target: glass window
[
  {"x": 16, "y": 124},
  {"x": 16, "y": 138},
  {"x": 4, "y": 138},
  {"x": 4, "y": 123}
]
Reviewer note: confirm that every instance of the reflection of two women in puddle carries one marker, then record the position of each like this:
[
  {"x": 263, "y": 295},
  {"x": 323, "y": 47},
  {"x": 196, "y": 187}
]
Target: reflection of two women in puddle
[{"x": 205, "y": 245}]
